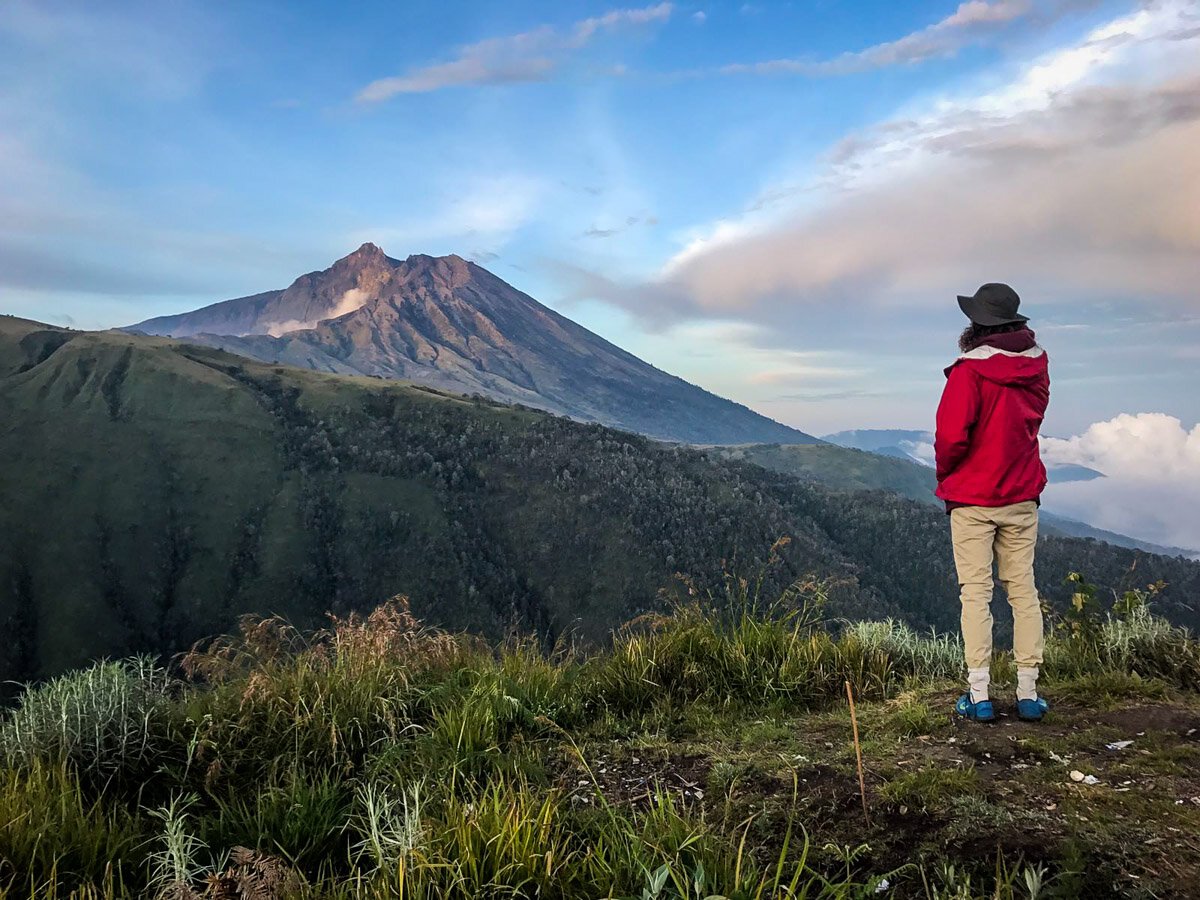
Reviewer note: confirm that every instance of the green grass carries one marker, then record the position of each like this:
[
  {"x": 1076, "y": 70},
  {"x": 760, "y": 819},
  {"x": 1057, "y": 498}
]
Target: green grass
[
  {"x": 931, "y": 788},
  {"x": 703, "y": 753},
  {"x": 109, "y": 720}
]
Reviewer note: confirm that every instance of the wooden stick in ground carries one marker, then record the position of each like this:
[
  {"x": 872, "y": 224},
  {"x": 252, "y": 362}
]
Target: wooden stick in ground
[{"x": 862, "y": 784}]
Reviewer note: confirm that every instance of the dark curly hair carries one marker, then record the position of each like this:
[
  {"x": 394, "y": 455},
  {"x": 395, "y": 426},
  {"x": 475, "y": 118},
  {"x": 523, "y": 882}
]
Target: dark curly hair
[{"x": 974, "y": 334}]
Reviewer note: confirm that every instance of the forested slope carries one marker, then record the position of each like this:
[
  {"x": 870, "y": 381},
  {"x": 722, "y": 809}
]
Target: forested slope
[{"x": 155, "y": 490}]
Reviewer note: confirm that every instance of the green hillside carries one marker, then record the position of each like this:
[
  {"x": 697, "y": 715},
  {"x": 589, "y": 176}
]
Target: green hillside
[
  {"x": 841, "y": 468},
  {"x": 155, "y": 491}
]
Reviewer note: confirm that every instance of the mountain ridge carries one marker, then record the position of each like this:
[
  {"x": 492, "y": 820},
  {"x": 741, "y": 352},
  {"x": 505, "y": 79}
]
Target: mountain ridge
[
  {"x": 452, "y": 324},
  {"x": 156, "y": 489},
  {"x": 903, "y": 443}
]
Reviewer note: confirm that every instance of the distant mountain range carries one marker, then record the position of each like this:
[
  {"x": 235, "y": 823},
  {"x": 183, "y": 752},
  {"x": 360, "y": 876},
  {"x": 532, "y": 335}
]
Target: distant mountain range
[
  {"x": 901, "y": 460},
  {"x": 453, "y": 325},
  {"x": 918, "y": 447}
]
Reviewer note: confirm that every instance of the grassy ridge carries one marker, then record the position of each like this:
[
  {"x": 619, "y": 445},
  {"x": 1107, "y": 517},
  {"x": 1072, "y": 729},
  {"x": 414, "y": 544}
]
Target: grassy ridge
[
  {"x": 702, "y": 753},
  {"x": 841, "y": 468}
]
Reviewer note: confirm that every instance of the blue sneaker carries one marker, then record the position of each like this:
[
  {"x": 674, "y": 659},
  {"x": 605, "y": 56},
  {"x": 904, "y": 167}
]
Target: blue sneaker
[
  {"x": 1032, "y": 710},
  {"x": 978, "y": 712}
]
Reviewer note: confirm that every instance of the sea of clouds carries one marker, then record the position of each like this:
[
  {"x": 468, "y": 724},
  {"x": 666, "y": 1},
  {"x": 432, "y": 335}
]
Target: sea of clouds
[{"x": 1152, "y": 486}]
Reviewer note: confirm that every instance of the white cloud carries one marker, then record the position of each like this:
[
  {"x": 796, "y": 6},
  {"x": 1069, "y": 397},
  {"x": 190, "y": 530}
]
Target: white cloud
[
  {"x": 526, "y": 56},
  {"x": 970, "y": 22},
  {"x": 921, "y": 451},
  {"x": 1077, "y": 178},
  {"x": 467, "y": 69},
  {"x": 585, "y": 30},
  {"x": 1152, "y": 488}
]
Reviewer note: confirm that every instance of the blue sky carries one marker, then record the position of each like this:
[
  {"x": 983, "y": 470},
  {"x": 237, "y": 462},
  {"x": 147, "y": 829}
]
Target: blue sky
[{"x": 777, "y": 201}]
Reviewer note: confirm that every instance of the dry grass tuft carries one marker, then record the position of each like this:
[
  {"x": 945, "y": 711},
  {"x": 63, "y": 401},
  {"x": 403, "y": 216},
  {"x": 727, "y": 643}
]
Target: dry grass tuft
[
  {"x": 259, "y": 642},
  {"x": 390, "y": 633},
  {"x": 252, "y": 875}
]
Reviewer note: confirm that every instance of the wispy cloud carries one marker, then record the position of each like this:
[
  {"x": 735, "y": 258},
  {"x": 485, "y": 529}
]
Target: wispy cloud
[
  {"x": 523, "y": 57},
  {"x": 483, "y": 210},
  {"x": 970, "y": 23},
  {"x": 596, "y": 231}
]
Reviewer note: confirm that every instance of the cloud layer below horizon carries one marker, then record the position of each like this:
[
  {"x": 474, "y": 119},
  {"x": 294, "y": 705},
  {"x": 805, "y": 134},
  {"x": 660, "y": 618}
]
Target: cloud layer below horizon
[{"x": 1152, "y": 486}]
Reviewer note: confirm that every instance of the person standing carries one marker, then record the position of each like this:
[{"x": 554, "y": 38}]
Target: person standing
[{"x": 990, "y": 475}]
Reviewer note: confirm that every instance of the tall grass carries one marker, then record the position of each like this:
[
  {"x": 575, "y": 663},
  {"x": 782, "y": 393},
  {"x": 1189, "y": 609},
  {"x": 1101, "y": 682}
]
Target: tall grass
[
  {"x": 109, "y": 719},
  {"x": 51, "y": 832},
  {"x": 911, "y": 654},
  {"x": 379, "y": 757},
  {"x": 324, "y": 701},
  {"x": 750, "y": 652}
]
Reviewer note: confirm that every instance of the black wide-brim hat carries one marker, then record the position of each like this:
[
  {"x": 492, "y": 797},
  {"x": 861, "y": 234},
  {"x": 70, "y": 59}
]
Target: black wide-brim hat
[{"x": 993, "y": 304}]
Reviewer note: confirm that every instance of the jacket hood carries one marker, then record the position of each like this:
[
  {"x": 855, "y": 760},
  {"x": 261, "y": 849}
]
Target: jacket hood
[
  {"x": 1013, "y": 341},
  {"x": 1010, "y": 358}
]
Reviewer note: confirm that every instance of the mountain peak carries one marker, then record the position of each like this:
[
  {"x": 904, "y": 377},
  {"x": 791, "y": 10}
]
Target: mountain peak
[
  {"x": 367, "y": 253},
  {"x": 450, "y": 259}
]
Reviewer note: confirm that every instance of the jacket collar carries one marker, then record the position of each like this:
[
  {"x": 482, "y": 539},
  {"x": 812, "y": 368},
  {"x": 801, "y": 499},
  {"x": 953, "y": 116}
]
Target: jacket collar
[{"x": 985, "y": 352}]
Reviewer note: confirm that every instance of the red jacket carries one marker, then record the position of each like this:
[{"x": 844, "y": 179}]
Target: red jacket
[{"x": 986, "y": 446}]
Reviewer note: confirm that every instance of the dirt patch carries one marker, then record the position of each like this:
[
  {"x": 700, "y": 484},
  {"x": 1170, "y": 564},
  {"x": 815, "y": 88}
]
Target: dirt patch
[
  {"x": 1160, "y": 717},
  {"x": 631, "y": 779},
  {"x": 1137, "y": 825}
]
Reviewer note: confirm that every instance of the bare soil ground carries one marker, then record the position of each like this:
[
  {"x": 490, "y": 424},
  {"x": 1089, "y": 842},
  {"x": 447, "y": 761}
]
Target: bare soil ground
[{"x": 941, "y": 789}]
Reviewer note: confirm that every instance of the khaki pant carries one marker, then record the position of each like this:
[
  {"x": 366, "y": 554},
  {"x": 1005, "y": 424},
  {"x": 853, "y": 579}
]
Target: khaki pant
[{"x": 1009, "y": 535}]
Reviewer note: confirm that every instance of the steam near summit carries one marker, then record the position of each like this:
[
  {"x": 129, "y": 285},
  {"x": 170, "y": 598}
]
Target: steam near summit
[{"x": 451, "y": 324}]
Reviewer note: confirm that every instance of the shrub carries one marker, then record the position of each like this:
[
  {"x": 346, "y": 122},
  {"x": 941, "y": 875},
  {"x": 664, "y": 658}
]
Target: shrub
[
  {"x": 110, "y": 719},
  {"x": 1128, "y": 640}
]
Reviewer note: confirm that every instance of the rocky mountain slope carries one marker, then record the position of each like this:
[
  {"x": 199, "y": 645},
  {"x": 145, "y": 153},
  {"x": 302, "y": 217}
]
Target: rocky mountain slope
[{"x": 448, "y": 323}]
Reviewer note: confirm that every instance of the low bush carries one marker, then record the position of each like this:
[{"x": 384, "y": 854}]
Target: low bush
[
  {"x": 111, "y": 719},
  {"x": 1127, "y": 640}
]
